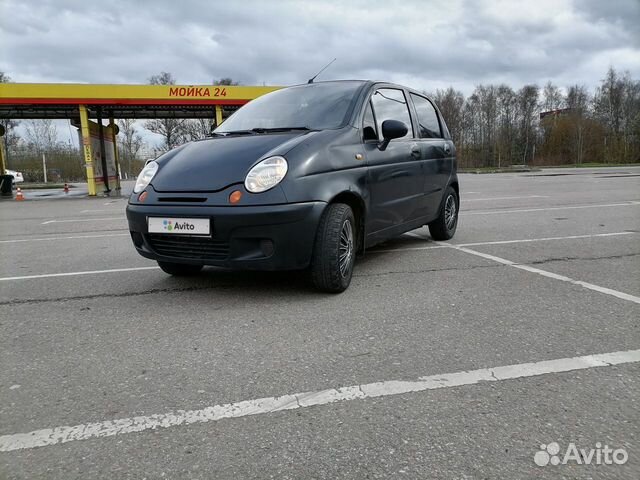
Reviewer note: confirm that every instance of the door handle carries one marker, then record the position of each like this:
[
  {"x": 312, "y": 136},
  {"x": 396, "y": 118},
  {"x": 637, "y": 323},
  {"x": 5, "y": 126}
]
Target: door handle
[
  {"x": 447, "y": 148},
  {"x": 416, "y": 151}
]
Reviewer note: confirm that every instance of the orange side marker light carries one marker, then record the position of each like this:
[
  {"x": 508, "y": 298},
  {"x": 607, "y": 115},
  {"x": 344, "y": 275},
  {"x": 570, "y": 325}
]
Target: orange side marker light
[{"x": 235, "y": 197}]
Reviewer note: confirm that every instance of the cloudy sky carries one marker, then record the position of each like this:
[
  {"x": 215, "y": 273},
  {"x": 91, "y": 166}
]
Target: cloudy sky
[{"x": 422, "y": 44}]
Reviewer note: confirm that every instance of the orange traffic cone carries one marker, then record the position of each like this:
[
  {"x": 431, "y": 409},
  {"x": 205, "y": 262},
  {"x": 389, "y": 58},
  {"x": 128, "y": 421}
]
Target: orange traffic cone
[
  {"x": 66, "y": 188},
  {"x": 19, "y": 195}
]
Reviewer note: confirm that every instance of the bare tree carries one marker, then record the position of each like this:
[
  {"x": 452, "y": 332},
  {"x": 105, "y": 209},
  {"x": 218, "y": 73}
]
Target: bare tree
[
  {"x": 609, "y": 99},
  {"x": 198, "y": 128},
  {"x": 41, "y": 134},
  {"x": 552, "y": 98},
  {"x": 617, "y": 106},
  {"x": 577, "y": 102},
  {"x": 225, "y": 81},
  {"x": 450, "y": 102},
  {"x": 171, "y": 129},
  {"x": 129, "y": 145},
  {"x": 506, "y": 135},
  {"x": 527, "y": 110}
]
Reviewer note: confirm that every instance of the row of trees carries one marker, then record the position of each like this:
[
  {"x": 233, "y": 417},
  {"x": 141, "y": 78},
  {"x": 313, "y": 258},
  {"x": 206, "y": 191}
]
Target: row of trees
[
  {"x": 495, "y": 126},
  {"x": 498, "y": 126}
]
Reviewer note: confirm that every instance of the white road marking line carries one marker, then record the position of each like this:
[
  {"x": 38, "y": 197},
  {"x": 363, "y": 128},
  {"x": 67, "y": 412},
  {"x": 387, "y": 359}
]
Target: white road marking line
[
  {"x": 502, "y": 198},
  {"x": 21, "y": 240},
  {"x": 408, "y": 249},
  {"x": 545, "y": 209},
  {"x": 71, "y": 274},
  {"x": 544, "y": 273},
  {"x": 260, "y": 406},
  {"x": 83, "y": 220},
  {"x": 544, "y": 239},
  {"x": 110, "y": 210},
  {"x": 388, "y": 250},
  {"x": 497, "y": 242}
]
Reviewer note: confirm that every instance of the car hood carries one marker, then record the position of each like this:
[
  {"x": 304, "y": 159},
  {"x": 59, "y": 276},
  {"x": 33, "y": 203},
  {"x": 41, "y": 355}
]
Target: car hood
[{"x": 214, "y": 164}]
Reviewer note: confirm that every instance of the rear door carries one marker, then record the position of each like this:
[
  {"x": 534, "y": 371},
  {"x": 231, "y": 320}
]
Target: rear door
[
  {"x": 394, "y": 175},
  {"x": 436, "y": 152}
]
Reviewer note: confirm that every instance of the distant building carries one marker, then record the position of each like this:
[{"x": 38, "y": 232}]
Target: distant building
[{"x": 556, "y": 113}]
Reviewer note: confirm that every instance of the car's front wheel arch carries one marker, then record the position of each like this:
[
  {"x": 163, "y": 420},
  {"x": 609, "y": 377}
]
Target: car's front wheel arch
[
  {"x": 334, "y": 250},
  {"x": 358, "y": 208}
]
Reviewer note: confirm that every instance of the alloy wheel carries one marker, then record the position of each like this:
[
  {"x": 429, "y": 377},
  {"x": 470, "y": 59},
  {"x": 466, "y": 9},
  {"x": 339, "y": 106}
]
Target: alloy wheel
[{"x": 346, "y": 248}]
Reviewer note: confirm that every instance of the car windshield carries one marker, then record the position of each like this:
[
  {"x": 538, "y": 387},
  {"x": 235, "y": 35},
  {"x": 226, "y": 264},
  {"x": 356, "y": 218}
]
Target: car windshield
[{"x": 315, "y": 106}]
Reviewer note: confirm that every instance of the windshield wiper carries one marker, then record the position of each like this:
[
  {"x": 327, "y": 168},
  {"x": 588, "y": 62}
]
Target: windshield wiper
[
  {"x": 238, "y": 132},
  {"x": 257, "y": 130},
  {"x": 279, "y": 129}
]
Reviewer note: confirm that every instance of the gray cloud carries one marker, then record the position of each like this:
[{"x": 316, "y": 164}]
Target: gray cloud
[{"x": 426, "y": 45}]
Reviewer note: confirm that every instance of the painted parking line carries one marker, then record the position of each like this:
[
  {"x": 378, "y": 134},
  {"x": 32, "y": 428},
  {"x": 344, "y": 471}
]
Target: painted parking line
[
  {"x": 495, "y": 242},
  {"x": 72, "y": 220},
  {"x": 73, "y": 237},
  {"x": 107, "y": 210},
  {"x": 407, "y": 249},
  {"x": 546, "y": 209},
  {"x": 261, "y": 406},
  {"x": 545, "y": 273},
  {"x": 545, "y": 239},
  {"x": 502, "y": 198},
  {"x": 72, "y": 274},
  {"x": 388, "y": 250}
]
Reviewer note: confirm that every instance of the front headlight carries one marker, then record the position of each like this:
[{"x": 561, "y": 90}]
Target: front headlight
[
  {"x": 266, "y": 174},
  {"x": 145, "y": 176}
]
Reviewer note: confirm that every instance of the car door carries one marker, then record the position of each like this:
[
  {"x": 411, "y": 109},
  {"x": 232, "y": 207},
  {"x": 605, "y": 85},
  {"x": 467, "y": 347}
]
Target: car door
[
  {"x": 394, "y": 175},
  {"x": 436, "y": 153}
]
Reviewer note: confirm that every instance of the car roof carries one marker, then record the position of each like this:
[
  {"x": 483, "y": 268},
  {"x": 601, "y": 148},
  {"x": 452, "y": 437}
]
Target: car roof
[
  {"x": 329, "y": 81},
  {"x": 368, "y": 83}
]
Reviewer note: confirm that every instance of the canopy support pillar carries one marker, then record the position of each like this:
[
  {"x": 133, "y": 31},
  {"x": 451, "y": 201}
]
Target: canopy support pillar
[
  {"x": 114, "y": 132},
  {"x": 86, "y": 149},
  {"x": 3, "y": 161}
]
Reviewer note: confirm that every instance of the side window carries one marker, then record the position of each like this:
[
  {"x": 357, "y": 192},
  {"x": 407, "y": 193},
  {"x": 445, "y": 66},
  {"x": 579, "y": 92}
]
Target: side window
[
  {"x": 390, "y": 104},
  {"x": 369, "y": 131},
  {"x": 429, "y": 127}
]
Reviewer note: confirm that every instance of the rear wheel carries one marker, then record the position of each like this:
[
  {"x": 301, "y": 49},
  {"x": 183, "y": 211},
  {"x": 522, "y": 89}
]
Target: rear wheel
[
  {"x": 179, "y": 269},
  {"x": 334, "y": 251},
  {"x": 444, "y": 227}
]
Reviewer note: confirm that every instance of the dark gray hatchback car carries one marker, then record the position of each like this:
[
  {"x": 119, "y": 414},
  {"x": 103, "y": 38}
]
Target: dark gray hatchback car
[{"x": 303, "y": 177}]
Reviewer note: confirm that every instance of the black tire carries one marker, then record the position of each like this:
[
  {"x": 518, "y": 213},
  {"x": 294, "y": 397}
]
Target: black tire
[
  {"x": 444, "y": 227},
  {"x": 336, "y": 237},
  {"x": 180, "y": 269}
]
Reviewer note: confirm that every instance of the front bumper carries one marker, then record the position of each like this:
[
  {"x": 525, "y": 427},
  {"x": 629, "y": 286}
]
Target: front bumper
[{"x": 271, "y": 237}]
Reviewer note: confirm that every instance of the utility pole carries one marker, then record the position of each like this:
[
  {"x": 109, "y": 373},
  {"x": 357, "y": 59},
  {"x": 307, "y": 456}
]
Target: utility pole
[{"x": 44, "y": 166}]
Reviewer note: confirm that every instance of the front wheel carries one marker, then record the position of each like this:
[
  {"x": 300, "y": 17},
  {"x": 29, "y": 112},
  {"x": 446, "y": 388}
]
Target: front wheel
[
  {"x": 179, "y": 269},
  {"x": 444, "y": 227},
  {"x": 334, "y": 251}
]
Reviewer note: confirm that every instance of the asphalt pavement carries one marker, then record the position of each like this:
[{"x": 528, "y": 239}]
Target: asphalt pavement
[{"x": 459, "y": 359}]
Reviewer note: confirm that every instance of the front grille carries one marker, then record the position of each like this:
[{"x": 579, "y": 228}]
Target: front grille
[
  {"x": 197, "y": 248},
  {"x": 183, "y": 199}
]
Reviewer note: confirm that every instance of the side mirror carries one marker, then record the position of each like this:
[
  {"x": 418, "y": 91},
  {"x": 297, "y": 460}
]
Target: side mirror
[{"x": 392, "y": 129}]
